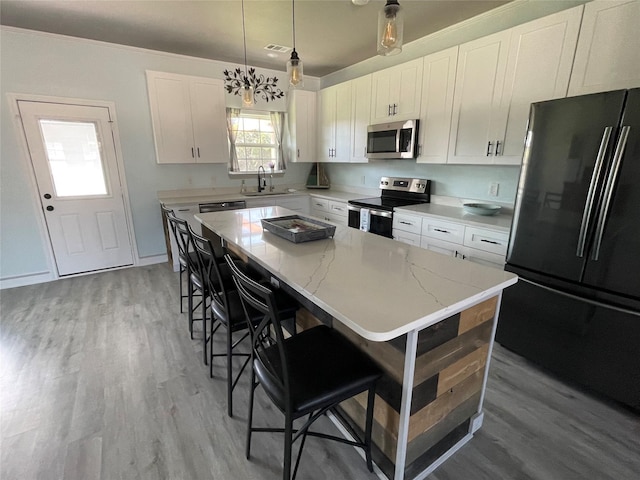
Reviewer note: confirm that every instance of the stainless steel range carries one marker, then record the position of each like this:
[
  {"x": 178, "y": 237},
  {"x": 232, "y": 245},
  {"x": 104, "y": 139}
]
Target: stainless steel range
[{"x": 375, "y": 214}]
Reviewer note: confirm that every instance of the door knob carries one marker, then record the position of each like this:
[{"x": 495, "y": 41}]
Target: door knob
[
  {"x": 47, "y": 196},
  {"x": 49, "y": 208}
]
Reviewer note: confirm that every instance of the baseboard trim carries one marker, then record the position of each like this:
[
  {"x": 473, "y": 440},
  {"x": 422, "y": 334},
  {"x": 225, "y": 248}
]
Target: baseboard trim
[
  {"x": 152, "y": 260},
  {"x": 24, "y": 280}
]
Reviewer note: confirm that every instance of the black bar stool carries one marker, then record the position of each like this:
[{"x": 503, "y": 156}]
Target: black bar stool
[
  {"x": 304, "y": 375},
  {"x": 226, "y": 310},
  {"x": 168, "y": 214},
  {"x": 196, "y": 287}
]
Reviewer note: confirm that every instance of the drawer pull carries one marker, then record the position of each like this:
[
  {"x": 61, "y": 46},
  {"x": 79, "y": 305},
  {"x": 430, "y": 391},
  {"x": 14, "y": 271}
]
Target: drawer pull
[
  {"x": 441, "y": 231},
  {"x": 490, "y": 241},
  {"x": 405, "y": 223},
  {"x": 183, "y": 209}
]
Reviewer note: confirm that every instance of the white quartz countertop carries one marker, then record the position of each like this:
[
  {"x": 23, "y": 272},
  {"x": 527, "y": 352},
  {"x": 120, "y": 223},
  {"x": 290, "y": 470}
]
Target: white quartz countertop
[
  {"x": 500, "y": 221},
  {"x": 203, "y": 195},
  {"x": 378, "y": 287}
]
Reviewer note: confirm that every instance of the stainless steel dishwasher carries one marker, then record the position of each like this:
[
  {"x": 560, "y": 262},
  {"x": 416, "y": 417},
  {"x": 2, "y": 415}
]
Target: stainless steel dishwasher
[{"x": 220, "y": 206}]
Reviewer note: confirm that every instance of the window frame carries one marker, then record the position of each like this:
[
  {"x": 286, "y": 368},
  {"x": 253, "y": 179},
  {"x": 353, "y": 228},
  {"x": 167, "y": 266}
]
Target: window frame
[{"x": 260, "y": 115}]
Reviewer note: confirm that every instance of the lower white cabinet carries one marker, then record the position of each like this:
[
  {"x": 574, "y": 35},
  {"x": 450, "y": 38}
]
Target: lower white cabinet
[
  {"x": 333, "y": 211},
  {"x": 469, "y": 242}
]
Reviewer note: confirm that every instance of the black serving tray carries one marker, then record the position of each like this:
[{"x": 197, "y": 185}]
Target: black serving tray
[{"x": 298, "y": 229}]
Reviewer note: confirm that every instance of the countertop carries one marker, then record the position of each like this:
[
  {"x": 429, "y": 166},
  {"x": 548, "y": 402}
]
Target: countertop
[
  {"x": 501, "y": 221},
  {"x": 379, "y": 288},
  {"x": 205, "y": 195}
]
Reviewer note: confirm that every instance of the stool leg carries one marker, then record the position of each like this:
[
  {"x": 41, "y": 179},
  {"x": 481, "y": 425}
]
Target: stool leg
[
  {"x": 369, "y": 427},
  {"x": 250, "y": 418},
  {"x": 229, "y": 373},
  {"x": 190, "y": 303},
  {"x": 180, "y": 287},
  {"x": 204, "y": 326},
  {"x": 288, "y": 441}
]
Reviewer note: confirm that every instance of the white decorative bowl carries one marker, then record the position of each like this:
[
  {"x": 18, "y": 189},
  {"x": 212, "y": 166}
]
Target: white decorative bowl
[{"x": 481, "y": 208}]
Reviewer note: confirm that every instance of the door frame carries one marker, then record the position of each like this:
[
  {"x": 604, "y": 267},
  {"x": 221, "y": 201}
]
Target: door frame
[{"x": 27, "y": 163}]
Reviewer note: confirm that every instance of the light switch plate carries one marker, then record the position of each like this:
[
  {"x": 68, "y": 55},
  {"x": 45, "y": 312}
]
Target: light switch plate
[{"x": 494, "y": 188}]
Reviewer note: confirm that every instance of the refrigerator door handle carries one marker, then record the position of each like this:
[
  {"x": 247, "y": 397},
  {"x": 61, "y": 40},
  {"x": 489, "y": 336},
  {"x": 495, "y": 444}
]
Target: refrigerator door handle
[
  {"x": 582, "y": 299},
  {"x": 591, "y": 195},
  {"x": 610, "y": 185}
]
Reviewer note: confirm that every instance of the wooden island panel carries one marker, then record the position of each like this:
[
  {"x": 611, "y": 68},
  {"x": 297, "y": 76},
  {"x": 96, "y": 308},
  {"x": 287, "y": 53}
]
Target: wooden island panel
[{"x": 451, "y": 361}]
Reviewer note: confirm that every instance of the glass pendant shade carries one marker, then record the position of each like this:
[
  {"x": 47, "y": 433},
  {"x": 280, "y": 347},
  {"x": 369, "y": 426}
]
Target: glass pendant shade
[
  {"x": 294, "y": 70},
  {"x": 390, "y": 28},
  {"x": 247, "y": 95}
]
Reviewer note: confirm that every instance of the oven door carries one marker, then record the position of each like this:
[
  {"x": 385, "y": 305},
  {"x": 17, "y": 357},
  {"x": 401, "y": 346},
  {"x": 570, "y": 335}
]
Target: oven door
[{"x": 380, "y": 221}]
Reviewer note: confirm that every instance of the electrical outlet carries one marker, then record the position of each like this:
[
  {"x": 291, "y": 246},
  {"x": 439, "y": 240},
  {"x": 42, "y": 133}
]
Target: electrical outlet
[
  {"x": 275, "y": 282},
  {"x": 494, "y": 188}
]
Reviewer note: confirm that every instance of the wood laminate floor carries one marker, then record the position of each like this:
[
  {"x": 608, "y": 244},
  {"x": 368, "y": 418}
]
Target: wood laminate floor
[{"x": 100, "y": 380}]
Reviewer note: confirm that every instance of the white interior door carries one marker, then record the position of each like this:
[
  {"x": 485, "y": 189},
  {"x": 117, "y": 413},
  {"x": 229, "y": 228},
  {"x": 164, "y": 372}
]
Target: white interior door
[{"x": 74, "y": 159}]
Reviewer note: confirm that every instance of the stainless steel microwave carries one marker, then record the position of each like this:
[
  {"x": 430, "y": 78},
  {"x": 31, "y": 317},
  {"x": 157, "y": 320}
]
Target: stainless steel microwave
[{"x": 392, "y": 140}]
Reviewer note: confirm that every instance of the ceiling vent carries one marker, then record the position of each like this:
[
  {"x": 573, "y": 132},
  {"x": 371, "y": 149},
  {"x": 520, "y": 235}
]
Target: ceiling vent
[{"x": 272, "y": 47}]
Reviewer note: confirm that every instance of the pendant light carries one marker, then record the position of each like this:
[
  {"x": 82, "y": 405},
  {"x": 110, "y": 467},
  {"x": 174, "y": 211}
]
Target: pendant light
[
  {"x": 247, "y": 90},
  {"x": 294, "y": 65},
  {"x": 390, "y": 28}
]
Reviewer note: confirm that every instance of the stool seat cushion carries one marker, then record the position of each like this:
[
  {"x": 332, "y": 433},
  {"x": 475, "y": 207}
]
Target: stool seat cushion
[{"x": 324, "y": 368}]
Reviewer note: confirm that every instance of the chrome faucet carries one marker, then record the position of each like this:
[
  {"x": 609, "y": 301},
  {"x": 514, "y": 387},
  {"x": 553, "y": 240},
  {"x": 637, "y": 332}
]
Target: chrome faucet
[{"x": 262, "y": 185}]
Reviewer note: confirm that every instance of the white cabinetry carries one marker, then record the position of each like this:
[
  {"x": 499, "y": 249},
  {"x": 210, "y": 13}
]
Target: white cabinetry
[
  {"x": 497, "y": 79},
  {"x": 396, "y": 92},
  {"x": 334, "y": 126},
  {"x": 189, "y": 119},
  {"x": 538, "y": 68},
  {"x": 608, "y": 53},
  {"x": 333, "y": 211},
  {"x": 360, "y": 117},
  {"x": 479, "y": 81},
  {"x": 476, "y": 244},
  {"x": 438, "y": 82},
  {"x": 301, "y": 126}
]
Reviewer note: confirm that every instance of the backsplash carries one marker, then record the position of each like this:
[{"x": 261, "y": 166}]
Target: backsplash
[{"x": 465, "y": 181}]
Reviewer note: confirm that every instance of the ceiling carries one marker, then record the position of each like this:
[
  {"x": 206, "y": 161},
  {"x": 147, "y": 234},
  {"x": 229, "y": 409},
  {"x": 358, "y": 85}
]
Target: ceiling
[{"x": 330, "y": 34}]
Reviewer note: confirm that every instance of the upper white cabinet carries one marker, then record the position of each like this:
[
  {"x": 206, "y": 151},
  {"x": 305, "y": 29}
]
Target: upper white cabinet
[
  {"x": 189, "y": 119},
  {"x": 538, "y": 68},
  {"x": 334, "y": 124},
  {"x": 301, "y": 126},
  {"x": 479, "y": 80},
  {"x": 497, "y": 79},
  {"x": 360, "y": 117},
  {"x": 438, "y": 82},
  {"x": 608, "y": 53},
  {"x": 396, "y": 92}
]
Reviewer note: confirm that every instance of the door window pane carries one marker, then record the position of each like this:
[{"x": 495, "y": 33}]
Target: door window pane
[{"x": 73, "y": 154}]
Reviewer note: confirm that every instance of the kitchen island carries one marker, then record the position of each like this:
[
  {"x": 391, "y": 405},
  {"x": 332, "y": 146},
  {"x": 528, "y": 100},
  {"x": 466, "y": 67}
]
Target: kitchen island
[{"x": 427, "y": 319}]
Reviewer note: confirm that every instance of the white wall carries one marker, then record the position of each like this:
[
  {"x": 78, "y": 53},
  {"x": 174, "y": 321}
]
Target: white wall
[{"x": 43, "y": 64}]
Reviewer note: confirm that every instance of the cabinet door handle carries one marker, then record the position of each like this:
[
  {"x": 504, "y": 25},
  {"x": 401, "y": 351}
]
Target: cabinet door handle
[
  {"x": 490, "y": 241},
  {"x": 198, "y": 150},
  {"x": 298, "y": 153},
  {"x": 489, "y": 145},
  {"x": 498, "y": 143},
  {"x": 395, "y": 111},
  {"x": 441, "y": 231},
  {"x": 389, "y": 110},
  {"x": 192, "y": 153}
]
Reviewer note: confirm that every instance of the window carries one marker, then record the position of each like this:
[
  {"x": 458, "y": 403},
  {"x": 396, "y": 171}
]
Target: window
[{"x": 256, "y": 142}]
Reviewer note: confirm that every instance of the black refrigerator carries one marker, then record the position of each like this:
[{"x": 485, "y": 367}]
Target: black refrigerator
[{"x": 575, "y": 244}]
